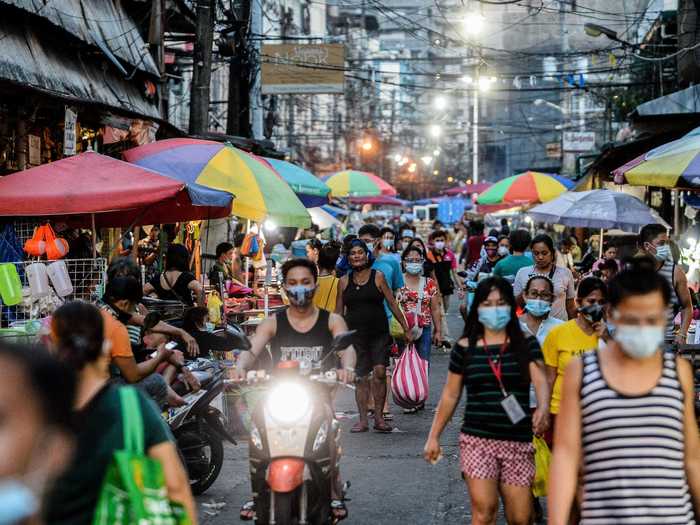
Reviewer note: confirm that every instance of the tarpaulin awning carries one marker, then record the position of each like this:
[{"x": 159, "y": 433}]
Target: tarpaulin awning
[
  {"x": 117, "y": 192},
  {"x": 451, "y": 209}
]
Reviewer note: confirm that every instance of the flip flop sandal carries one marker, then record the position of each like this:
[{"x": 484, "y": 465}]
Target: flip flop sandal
[
  {"x": 358, "y": 428},
  {"x": 339, "y": 510},
  {"x": 383, "y": 428},
  {"x": 388, "y": 416},
  {"x": 248, "y": 511}
]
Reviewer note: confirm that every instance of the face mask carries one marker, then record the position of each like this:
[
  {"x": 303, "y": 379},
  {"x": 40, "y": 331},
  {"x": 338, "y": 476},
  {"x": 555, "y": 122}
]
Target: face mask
[
  {"x": 503, "y": 251},
  {"x": 611, "y": 328},
  {"x": 639, "y": 342},
  {"x": 370, "y": 246},
  {"x": 17, "y": 502},
  {"x": 414, "y": 268},
  {"x": 388, "y": 243},
  {"x": 593, "y": 313},
  {"x": 538, "y": 307},
  {"x": 440, "y": 245},
  {"x": 300, "y": 295},
  {"x": 494, "y": 317},
  {"x": 663, "y": 252}
]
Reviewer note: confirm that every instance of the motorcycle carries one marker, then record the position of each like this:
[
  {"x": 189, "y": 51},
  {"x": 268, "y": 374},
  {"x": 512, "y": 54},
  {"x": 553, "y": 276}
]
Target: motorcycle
[
  {"x": 295, "y": 444},
  {"x": 197, "y": 426}
]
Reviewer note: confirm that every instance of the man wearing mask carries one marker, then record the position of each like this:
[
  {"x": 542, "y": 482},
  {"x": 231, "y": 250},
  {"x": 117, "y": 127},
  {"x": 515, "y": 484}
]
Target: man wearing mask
[
  {"x": 384, "y": 259},
  {"x": 654, "y": 241},
  {"x": 488, "y": 263}
]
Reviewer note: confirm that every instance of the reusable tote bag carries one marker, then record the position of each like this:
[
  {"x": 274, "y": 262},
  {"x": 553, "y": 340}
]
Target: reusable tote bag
[
  {"x": 409, "y": 383},
  {"x": 133, "y": 491}
]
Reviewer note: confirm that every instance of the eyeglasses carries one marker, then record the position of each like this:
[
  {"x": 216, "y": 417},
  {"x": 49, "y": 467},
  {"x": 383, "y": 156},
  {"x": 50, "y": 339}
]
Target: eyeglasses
[
  {"x": 545, "y": 296},
  {"x": 414, "y": 260}
]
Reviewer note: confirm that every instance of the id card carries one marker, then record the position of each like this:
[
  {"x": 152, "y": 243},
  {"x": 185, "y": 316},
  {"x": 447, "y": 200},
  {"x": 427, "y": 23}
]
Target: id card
[{"x": 513, "y": 409}]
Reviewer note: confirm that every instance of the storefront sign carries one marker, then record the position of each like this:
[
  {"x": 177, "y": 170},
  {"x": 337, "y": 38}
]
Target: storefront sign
[
  {"x": 579, "y": 140},
  {"x": 69, "y": 132},
  {"x": 34, "y": 145},
  {"x": 303, "y": 68}
]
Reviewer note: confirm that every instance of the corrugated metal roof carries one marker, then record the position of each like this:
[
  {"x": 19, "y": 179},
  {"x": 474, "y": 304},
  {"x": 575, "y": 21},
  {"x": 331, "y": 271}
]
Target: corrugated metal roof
[
  {"x": 98, "y": 23},
  {"x": 27, "y": 60}
]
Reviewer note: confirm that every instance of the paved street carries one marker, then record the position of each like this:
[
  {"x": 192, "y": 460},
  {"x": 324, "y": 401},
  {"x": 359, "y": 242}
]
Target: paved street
[{"x": 391, "y": 483}]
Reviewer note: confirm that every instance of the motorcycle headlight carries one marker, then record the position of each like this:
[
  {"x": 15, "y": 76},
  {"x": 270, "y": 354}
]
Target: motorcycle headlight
[
  {"x": 255, "y": 438},
  {"x": 321, "y": 436},
  {"x": 288, "y": 403}
]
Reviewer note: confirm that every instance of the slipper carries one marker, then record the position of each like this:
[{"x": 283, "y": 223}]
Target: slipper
[
  {"x": 248, "y": 511},
  {"x": 410, "y": 410},
  {"x": 388, "y": 416},
  {"x": 383, "y": 428},
  {"x": 358, "y": 428},
  {"x": 339, "y": 510}
]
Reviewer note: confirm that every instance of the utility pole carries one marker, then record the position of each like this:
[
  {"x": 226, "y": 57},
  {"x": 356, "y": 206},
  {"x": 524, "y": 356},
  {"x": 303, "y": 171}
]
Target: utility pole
[
  {"x": 238, "y": 114},
  {"x": 568, "y": 159},
  {"x": 201, "y": 74},
  {"x": 255, "y": 97}
]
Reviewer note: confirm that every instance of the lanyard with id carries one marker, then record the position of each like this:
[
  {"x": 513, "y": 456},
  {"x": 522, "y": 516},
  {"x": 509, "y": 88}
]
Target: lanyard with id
[{"x": 509, "y": 402}]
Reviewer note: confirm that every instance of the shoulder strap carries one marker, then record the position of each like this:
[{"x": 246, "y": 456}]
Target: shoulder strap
[
  {"x": 334, "y": 281},
  {"x": 421, "y": 291},
  {"x": 132, "y": 422}
]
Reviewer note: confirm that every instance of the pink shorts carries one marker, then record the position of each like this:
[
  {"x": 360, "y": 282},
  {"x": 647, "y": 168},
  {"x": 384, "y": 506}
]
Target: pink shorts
[{"x": 508, "y": 462}]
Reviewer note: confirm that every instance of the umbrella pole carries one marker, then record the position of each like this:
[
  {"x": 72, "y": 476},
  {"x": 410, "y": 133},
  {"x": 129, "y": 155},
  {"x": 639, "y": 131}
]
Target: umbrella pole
[
  {"x": 247, "y": 259},
  {"x": 94, "y": 236},
  {"x": 600, "y": 250}
]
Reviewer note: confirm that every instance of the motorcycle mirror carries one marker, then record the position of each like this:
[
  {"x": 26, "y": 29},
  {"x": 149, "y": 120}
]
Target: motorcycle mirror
[
  {"x": 342, "y": 340},
  {"x": 238, "y": 337}
]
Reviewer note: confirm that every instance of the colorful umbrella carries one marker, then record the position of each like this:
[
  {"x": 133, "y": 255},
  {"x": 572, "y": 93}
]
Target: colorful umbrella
[
  {"x": 469, "y": 189},
  {"x": 323, "y": 219},
  {"x": 311, "y": 190},
  {"x": 351, "y": 183},
  {"x": 382, "y": 200},
  {"x": 526, "y": 188},
  {"x": 260, "y": 193},
  {"x": 672, "y": 165}
]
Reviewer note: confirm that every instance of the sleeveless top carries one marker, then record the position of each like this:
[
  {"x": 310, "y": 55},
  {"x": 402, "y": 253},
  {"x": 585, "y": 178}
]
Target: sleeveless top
[
  {"x": 633, "y": 450},
  {"x": 364, "y": 307},
  {"x": 312, "y": 346},
  {"x": 666, "y": 271},
  {"x": 180, "y": 288}
]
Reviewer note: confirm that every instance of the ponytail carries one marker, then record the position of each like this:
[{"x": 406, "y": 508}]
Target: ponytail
[{"x": 78, "y": 330}]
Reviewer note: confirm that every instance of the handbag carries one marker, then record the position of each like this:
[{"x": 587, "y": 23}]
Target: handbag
[
  {"x": 409, "y": 383},
  {"x": 134, "y": 489}
]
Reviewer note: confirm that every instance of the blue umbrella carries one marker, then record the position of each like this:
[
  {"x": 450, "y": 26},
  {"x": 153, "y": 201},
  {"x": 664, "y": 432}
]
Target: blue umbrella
[
  {"x": 311, "y": 190},
  {"x": 568, "y": 183}
]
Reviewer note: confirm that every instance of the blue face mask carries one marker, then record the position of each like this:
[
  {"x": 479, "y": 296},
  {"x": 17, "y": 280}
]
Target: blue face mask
[
  {"x": 538, "y": 307},
  {"x": 663, "y": 252},
  {"x": 17, "y": 502},
  {"x": 494, "y": 317},
  {"x": 300, "y": 295},
  {"x": 414, "y": 268},
  {"x": 388, "y": 243}
]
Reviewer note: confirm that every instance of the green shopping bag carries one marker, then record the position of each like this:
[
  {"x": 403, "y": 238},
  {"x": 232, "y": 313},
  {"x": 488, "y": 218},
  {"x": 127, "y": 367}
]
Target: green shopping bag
[
  {"x": 134, "y": 490},
  {"x": 542, "y": 459}
]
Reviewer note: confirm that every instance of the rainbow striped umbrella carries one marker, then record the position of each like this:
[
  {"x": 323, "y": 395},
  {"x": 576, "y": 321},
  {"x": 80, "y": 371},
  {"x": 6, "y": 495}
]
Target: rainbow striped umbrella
[
  {"x": 311, "y": 190},
  {"x": 672, "y": 165},
  {"x": 260, "y": 193},
  {"x": 351, "y": 183},
  {"x": 530, "y": 187}
]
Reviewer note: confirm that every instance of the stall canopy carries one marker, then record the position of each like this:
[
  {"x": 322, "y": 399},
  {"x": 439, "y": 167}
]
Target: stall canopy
[{"x": 116, "y": 192}]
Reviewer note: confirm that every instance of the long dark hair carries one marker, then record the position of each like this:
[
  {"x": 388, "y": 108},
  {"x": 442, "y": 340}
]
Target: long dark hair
[
  {"x": 78, "y": 329},
  {"x": 474, "y": 330}
]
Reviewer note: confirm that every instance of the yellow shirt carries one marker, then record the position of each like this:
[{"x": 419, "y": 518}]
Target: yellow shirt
[
  {"x": 326, "y": 293},
  {"x": 563, "y": 343}
]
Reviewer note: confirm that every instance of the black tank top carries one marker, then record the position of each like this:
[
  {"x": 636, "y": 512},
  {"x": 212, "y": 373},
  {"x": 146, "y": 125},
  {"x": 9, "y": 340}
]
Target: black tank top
[
  {"x": 313, "y": 346},
  {"x": 364, "y": 307}
]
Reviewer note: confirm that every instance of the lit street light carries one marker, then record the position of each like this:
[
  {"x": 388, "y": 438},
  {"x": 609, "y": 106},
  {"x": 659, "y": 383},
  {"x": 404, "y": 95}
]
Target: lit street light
[
  {"x": 427, "y": 159},
  {"x": 367, "y": 145},
  {"x": 397, "y": 158},
  {"x": 436, "y": 152},
  {"x": 474, "y": 23},
  {"x": 440, "y": 103},
  {"x": 485, "y": 83},
  {"x": 412, "y": 168},
  {"x": 596, "y": 30},
  {"x": 435, "y": 130},
  {"x": 542, "y": 102}
]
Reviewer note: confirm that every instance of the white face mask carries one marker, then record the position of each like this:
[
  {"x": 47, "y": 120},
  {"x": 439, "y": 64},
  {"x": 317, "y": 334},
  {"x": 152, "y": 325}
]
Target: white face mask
[
  {"x": 639, "y": 342},
  {"x": 439, "y": 245},
  {"x": 503, "y": 251}
]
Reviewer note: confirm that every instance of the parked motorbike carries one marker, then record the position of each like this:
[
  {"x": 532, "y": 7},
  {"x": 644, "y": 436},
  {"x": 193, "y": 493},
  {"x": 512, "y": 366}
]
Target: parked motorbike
[
  {"x": 295, "y": 444},
  {"x": 197, "y": 426}
]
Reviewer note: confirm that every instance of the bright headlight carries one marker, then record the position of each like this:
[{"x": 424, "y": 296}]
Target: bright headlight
[
  {"x": 288, "y": 403},
  {"x": 255, "y": 437}
]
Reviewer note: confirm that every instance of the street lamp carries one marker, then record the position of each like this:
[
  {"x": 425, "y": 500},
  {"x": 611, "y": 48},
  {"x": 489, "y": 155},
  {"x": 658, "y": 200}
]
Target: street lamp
[
  {"x": 412, "y": 168},
  {"x": 367, "y": 145},
  {"x": 427, "y": 159},
  {"x": 440, "y": 103},
  {"x": 596, "y": 30},
  {"x": 435, "y": 130},
  {"x": 542, "y": 102},
  {"x": 436, "y": 152},
  {"x": 474, "y": 23}
]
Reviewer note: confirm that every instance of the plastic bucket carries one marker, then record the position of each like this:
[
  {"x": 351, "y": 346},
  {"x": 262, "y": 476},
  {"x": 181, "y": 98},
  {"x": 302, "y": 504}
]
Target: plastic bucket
[{"x": 10, "y": 285}]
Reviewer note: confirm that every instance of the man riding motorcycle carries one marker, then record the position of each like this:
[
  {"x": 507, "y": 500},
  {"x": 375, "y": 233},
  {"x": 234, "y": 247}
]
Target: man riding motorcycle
[{"x": 303, "y": 333}]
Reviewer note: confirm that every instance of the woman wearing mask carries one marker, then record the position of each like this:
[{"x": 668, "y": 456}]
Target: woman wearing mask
[
  {"x": 388, "y": 246},
  {"x": 77, "y": 333},
  {"x": 573, "y": 338},
  {"x": 417, "y": 288},
  {"x": 543, "y": 253},
  {"x": 361, "y": 297},
  {"x": 177, "y": 283},
  {"x": 627, "y": 419},
  {"x": 495, "y": 362},
  {"x": 536, "y": 321},
  {"x": 36, "y": 399}
]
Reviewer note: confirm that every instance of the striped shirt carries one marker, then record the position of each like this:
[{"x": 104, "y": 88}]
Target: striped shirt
[
  {"x": 633, "y": 451},
  {"x": 484, "y": 416},
  {"x": 666, "y": 271}
]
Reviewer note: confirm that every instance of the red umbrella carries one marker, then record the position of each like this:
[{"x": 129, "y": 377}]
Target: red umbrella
[
  {"x": 117, "y": 193},
  {"x": 468, "y": 189}
]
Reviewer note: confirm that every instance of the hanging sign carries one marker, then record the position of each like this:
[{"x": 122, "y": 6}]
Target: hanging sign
[
  {"x": 69, "y": 132},
  {"x": 34, "y": 144}
]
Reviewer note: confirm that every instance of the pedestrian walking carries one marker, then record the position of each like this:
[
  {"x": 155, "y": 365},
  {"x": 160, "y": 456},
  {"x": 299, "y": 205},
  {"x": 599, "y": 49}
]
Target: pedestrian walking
[
  {"x": 654, "y": 241},
  {"x": 361, "y": 297},
  {"x": 573, "y": 338},
  {"x": 543, "y": 254},
  {"x": 327, "y": 288},
  {"x": 627, "y": 419},
  {"x": 78, "y": 336},
  {"x": 508, "y": 267},
  {"x": 36, "y": 399},
  {"x": 495, "y": 362}
]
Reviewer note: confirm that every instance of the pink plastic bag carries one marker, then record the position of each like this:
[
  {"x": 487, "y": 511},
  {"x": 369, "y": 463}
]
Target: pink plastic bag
[{"x": 409, "y": 384}]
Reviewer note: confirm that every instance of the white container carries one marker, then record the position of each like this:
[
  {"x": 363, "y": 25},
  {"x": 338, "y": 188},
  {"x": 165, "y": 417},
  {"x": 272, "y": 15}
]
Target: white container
[
  {"x": 58, "y": 273},
  {"x": 38, "y": 280}
]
